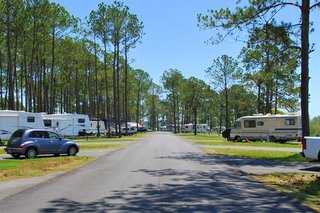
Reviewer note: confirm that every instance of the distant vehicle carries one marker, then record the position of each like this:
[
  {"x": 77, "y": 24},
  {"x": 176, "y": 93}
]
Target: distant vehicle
[
  {"x": 33, "y": 142},
  {"x": 95, "y": 124},
  {"x": 226, "y": 133},
  {"x": 267, "y": 128},
  {"x": 134, "y": 130},
  {"x": 67, "y": 124},
  {"x": 311, "y": 148},
  {"x": 190, "y": 128},
  {"x": 11, "y": 120},
  {"x": 124, "y": 131},
  {"x": 142, "y": 129}
]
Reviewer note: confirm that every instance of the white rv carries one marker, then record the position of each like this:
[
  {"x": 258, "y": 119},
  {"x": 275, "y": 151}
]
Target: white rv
[
  {"x": 67, "y": 124},
  {"x": 95, "y": 124},
  {"x": 190, "y": 127},
  {"x": 13, "y": 120},
  {"x": 267, "y": 128}
]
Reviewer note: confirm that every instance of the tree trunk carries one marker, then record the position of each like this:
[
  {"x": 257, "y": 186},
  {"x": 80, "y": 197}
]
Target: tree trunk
[
  {"x": 52, "y": 105},
  {"x": 118, "y": 88},
  {"x": 305, "y": 11},
  {"x": 115, "y": 88},
  {"x": 10, "y": 71},
  {"x": 107, "y": 105},
  {"x": 126, "y": 84}
]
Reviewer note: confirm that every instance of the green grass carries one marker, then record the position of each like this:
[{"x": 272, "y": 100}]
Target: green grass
[
  {"x": 106, "y": 140},
  {"x": 255, "y": 144},
  {"x": 258, "y": 154},
  {"x": 112, "y": 139},
  {"x": 24, "y": 168},
  {"x": 100, "y": 146},
  {"x": 303, "y": 187},
  {"x": 200, "y": 136}
]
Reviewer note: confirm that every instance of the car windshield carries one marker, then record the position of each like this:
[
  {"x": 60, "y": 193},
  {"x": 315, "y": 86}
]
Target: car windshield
[{"x": 16, "y": 136}]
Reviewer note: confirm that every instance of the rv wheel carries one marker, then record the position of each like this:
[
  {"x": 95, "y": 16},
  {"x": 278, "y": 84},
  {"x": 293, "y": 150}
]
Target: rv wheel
[
  {"x": 272, "y": 138},
  {"x": 238, "y": 139}
]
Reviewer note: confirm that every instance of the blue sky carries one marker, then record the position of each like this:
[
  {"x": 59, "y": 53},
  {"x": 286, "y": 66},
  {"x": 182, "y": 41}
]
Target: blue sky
[{"x": 173, "y": 40}]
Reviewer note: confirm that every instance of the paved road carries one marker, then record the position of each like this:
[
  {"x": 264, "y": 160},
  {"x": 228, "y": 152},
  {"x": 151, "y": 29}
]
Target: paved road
[{"x": 161, "y": 173}]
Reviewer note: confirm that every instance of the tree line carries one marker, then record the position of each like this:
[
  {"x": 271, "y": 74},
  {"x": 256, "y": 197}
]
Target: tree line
[{"x": 50, "y": 61}]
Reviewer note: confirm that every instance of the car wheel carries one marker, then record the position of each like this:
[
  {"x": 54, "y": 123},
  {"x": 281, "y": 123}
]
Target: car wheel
[
  {"x": 16, "y": 156},
  {"x": 72, "y": 151},
  {"x": 31, "y": 153}
]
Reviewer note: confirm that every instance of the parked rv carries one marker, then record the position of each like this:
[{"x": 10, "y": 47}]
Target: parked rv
[
  {"x": 11, "y": 120},
  {"x": 190, "y": 127},
  {"x": 67, "y": 124},
  {"x": 95, "y": 124},
  {"x": 267, "y": 128}
]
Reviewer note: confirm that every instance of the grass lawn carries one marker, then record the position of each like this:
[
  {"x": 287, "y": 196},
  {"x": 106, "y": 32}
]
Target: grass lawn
[
  {"x": 24, "y": 168},
  {"x": 200, "y": 136},
  {"x": 303, "y": 187},
  {"x": 258, "y": 154},
  {"x": 112, "y": 139},
  {"x": 100, "y": 146},
  {"x": 255, "y": 144}
]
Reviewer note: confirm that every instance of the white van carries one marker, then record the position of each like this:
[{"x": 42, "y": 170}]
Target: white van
[
  {"x": 311, "y": 148},
  {"x": 67, "y": 124},
  {"x": 11, "y": 120},
  {"x": 267, "y": 128}
]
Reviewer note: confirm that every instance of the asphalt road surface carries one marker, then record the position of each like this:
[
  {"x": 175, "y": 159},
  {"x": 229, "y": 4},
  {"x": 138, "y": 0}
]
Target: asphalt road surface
[{"x": 161, "y": 173}]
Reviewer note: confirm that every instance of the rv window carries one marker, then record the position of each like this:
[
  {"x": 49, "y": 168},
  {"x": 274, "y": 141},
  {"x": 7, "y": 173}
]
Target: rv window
[
  {"x": 238, "y": 125},
  {"x": 260, "y": 123},
  {"x": 290, "y": 122},
  {"x": 47, "y": 123},
  {"x": 30, "y": 119},
  {"x": 250, "y": 124},
  {"x": 81, "y": 120}
]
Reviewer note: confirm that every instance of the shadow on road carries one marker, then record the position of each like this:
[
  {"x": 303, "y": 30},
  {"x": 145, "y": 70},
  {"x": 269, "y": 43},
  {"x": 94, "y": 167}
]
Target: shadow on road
[{"x": 218, "y": 190}]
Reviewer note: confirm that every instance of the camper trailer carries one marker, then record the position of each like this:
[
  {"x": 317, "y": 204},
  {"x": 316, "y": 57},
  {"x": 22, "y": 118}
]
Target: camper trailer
[
  {"x": 95, "y": 124},
  {"x": 67, "y": 124},
  {"x": 190, "y": 127},
  {"x": 10, "y": 121},
  {"x": 267, "y": 128}
]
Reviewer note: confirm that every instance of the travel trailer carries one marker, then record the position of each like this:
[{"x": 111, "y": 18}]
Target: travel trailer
[
  {"x": 267, "y": 128},
  {"x": 190, "y": 128},
  {"x": 67, "y": 124},
  {"x": 95, "y": 124},
  {"x": 10, "y": 121}
]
